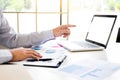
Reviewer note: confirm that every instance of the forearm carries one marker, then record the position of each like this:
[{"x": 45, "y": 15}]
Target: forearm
[
  {"x": 26, "y": 40},
  {"x": 5, "y": 56},
  {"x": 34, "y": 38}
]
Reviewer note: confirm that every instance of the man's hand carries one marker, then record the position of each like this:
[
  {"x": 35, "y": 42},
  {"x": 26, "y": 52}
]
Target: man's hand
[
  {"x": 23, "y": 53},
  {"x": 62, "y": 30}
]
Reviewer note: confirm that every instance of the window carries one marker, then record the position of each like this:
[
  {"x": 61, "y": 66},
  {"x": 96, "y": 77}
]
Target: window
[
  {"x": 95, "y": 5},
  {"x": 34, "y": 15}
]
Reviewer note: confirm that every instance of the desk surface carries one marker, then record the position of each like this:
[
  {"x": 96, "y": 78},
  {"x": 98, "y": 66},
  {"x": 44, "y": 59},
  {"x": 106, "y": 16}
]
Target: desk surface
[{"x": 39, "y": 73}]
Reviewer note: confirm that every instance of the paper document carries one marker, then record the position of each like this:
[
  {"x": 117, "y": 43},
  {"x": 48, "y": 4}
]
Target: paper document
[
  {"x": 55, "y": 63},
  {"x": 57, "y": 56},
  {"x": 90, "y": 70}
]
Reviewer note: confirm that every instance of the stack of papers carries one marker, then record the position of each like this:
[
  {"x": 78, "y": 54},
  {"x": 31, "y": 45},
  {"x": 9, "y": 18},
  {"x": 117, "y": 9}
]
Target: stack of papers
[{"x": 90, "y": 69}]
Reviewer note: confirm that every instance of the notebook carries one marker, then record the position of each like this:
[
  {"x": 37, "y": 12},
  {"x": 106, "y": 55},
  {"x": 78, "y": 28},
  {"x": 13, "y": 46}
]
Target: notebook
[
  {"x": 54, "y": 63},
  {"x": 97, "y": 37}
]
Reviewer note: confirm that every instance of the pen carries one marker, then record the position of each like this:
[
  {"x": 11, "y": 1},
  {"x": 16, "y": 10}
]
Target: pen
[{"x": 43, "y": 59}]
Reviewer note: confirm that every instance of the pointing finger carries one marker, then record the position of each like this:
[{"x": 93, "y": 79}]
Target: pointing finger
[{"x": 69, "y": 25}]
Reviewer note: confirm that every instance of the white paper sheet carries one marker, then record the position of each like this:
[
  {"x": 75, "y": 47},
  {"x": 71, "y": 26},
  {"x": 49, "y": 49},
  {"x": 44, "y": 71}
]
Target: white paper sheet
[{"x": 90, "y": 69}]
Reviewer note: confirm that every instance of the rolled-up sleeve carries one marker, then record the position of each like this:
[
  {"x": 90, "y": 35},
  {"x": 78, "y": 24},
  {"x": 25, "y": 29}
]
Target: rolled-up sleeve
[{"x": 5, "y": 56}]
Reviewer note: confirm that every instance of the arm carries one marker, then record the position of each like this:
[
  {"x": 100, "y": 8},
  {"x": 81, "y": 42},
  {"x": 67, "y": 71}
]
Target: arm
[{"x": 10, "y": 39}]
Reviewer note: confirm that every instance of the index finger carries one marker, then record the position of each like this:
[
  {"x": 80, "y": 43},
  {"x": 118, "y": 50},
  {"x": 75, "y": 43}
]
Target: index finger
[
  {"x": 35, "y": 53},
  {"x": 68, "y": 25}
]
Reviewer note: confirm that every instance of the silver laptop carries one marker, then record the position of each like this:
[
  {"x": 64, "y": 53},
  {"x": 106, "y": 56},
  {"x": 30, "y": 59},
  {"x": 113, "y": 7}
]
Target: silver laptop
[{"x": 97, "y": 36}]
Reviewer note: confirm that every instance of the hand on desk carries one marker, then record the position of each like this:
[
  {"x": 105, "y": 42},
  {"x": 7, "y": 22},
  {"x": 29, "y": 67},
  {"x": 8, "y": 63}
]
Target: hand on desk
[{"x": 23, "y": 53}]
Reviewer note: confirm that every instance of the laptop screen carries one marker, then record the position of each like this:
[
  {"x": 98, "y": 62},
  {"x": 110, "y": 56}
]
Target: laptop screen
[{"x": 100, "y": 29}]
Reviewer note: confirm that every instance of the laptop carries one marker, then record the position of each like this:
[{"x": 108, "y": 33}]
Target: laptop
[
  {"x": 97, "y": 37},
  {"x": 118, "y": 36}
]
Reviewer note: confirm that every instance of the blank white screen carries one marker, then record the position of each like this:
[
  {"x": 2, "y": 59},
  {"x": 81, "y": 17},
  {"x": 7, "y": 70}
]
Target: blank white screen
[{"x": 100, "y": 29}]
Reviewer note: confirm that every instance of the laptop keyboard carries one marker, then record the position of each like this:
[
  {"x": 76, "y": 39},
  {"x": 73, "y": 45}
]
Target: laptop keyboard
[
  {"x": 84, "y": 45},
  {"x": 79, "y": 46}
]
